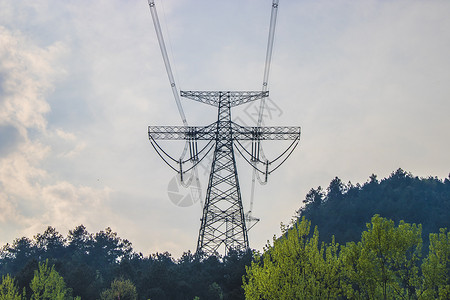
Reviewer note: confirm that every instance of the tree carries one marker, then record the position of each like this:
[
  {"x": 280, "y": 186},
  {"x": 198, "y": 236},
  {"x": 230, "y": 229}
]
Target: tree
[
  {"x": 215, "y": 292},
  {"x": 108, "y": 248},
  {"x": 9, "y": 289},
  {"x": 233, "y": 268},
  {"x": 385, "y": 262},
  {"x": 314, "y": 197},
  {"x": 335, "y": 190},
  {"x": 436, "y": 267},
  {"x": 120, "y": 290},
  {"x": 295, "y": 267},
  {"x": 79, "y": 241},
  {"x": 15, "y": 257},
  {"x": 373, "y": 179},
  {"x": 48, "y": 284},
  {"x": 50, "y": 244}
]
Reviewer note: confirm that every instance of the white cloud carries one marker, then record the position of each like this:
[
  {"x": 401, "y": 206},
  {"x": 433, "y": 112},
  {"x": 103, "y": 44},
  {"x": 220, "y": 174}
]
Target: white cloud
[{"x": 31, "y": 196}]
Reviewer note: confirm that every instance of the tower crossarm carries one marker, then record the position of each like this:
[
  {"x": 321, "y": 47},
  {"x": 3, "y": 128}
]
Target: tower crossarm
[
  {"x": 182, "y": 132},
  {"x": 210, "y": 133},
  {"x": 265, "y": 133},
  {"x": 235, "y": 97}
]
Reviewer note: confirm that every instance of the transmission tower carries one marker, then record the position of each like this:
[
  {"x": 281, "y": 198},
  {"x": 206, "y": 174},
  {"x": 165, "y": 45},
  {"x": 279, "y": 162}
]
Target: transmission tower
[{"x": 223, "y": 222}]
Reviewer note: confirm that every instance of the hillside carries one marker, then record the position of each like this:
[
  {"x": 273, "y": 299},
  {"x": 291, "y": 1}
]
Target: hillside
[
  {"x": 343, "y": 209},
  {"x": 90, "y": 263}
]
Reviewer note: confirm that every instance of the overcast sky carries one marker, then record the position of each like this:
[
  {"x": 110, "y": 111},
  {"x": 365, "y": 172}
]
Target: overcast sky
[{"x": 80, "y": 81}]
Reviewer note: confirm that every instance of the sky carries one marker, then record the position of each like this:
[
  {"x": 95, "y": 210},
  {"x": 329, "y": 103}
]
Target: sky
[{"x": 80, "y": 81}]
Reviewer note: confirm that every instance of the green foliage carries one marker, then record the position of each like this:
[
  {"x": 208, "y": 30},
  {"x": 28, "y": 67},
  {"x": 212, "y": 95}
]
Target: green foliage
[
  {"x": 51, "y": 243},
  {"x": 215, "y": 292},
  {"x": 15, "y": 257},
  {"x": 436, "y": 267},
  {"x": 120, "y": 289},
  {"x": 48, "y": 284},
  {"x": 295, "y": 267},
  {"x": 9, "y": 289},
  {"x": 384, "y": 264}
]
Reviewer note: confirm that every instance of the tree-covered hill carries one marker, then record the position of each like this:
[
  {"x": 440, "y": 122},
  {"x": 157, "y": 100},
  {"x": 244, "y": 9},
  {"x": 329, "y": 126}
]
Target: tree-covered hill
[
  {"x": 343, "y": 209},
  {"x": 103, "y": 265},
  {"x": 95, "y": 266}
]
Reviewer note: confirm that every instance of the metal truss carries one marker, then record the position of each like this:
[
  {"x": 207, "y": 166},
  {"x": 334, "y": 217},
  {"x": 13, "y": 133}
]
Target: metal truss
[
  {"x": 234, "y": 97},
  {"x": 210, "y": 133}
]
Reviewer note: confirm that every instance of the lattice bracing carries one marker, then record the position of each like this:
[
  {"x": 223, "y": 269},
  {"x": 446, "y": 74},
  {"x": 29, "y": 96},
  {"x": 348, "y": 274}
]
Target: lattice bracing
[
  {"x": 223, "y": 223},
  {"x": 210, "y": 132},
  {"x": 235, "y": 98}
]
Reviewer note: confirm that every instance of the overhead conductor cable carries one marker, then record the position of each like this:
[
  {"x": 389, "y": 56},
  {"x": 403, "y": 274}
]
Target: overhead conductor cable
[
  {"x": 162, "y": 46},
  {"x": 273, "y": 21},
  {"x": 176, "y": 95},
  {"x": 265, "y": 86}
]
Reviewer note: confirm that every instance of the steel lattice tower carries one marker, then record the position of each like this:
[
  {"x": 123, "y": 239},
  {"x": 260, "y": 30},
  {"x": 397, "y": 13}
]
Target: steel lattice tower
[{"x": 223, "y": 222}]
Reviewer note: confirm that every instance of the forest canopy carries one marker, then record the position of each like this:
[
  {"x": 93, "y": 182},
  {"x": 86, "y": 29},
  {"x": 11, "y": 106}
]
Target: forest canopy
[
  {"x": 343, "y": 209},
  {"x": 409, "y": 212},
  {"x": 385, "y": 264}
]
